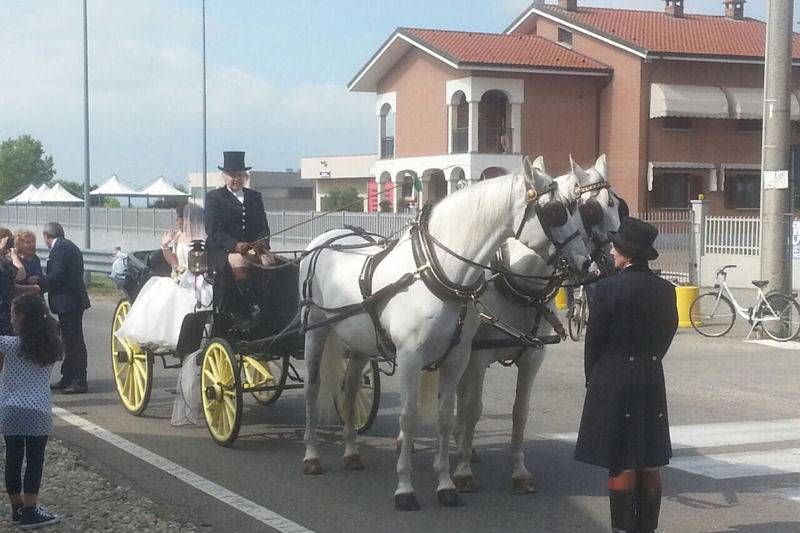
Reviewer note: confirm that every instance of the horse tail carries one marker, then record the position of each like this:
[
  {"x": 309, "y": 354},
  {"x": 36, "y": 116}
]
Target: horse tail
[
  {"x": 330, "y": 376},
  {"x": 428, "y": 402}
]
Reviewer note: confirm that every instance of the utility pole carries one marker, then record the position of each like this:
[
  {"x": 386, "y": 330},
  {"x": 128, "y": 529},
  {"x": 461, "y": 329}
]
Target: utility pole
[
  {"x": 776, "y": 192},
  {"x": 205, "y": 145},
  {"x": 87, "y": 231}
]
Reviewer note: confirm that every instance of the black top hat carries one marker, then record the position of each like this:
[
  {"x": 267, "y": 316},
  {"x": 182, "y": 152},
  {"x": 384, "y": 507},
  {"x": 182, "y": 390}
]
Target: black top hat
[
  {"x": 637, "y": 237},
  {"x": 234, "y": 162}
]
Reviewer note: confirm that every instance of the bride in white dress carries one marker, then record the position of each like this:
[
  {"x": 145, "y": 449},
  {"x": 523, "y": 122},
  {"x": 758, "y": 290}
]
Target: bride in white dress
[{"x": 156, "y": 315}]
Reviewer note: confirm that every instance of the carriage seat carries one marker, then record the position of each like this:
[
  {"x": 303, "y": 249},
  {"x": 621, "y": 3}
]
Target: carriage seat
[{"x": 761, "y": 283}]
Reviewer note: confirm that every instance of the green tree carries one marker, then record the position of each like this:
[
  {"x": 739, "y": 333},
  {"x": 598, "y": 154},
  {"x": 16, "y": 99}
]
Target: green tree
[
  {"x": 110, "y": 202},
  {"x": 23, "y": 161},
  {"x": 345, "y": 199}
]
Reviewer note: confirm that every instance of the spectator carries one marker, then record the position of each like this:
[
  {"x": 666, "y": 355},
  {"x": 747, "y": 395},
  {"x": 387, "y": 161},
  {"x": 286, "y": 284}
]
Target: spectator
[
  {"x": 25, "y": 250},
  {"x": 67, "y": 295},
  {"x": 11, "y": 271},
  {"x": 26, "y": 360}
]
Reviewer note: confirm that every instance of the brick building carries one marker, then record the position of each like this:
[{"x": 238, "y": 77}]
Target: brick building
[{"x": 673, "y": 99}]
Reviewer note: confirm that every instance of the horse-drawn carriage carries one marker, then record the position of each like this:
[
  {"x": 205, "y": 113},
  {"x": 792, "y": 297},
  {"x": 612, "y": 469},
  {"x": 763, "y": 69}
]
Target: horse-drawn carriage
[{"x": 251, "y": 356}]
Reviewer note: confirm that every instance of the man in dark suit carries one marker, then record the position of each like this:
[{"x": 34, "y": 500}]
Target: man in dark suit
[
  {"x": 237, "y": 228},
  {"x": 68, "y": 299},
  {"x": 625, "y": 427}
]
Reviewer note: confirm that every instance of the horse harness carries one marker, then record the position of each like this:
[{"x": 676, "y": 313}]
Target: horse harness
[{"x": 592, "y": 214}]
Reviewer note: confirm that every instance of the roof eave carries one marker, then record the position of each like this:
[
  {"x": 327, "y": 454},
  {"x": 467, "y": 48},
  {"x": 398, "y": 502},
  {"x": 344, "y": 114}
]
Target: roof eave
[
  {"x": 535, "y": 69},
  {"x": 677, "y": 56}
]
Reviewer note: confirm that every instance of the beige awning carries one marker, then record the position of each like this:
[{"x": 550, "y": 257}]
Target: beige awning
[
  {"x": 747, "y": 103},
  {"x": 667, "y": 100},
  {"x": 680, "y": 165}
]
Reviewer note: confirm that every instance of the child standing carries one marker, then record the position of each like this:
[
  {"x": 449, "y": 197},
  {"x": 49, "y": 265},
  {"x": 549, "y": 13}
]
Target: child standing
[{"x": 26, "y": 359}]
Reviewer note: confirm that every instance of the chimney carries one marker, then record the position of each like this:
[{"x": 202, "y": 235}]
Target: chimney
[
  {"x": 674, "y": 8},
  {"x": 734, "y": 9},
  {"x": 569, "y": 5}
]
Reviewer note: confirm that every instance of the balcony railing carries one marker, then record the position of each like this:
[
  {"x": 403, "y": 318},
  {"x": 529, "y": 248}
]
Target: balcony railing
[
  {"x": 495, "y": 140},
  {"x": 460, "y": 140},
  {"x": 387, "y": 147}
]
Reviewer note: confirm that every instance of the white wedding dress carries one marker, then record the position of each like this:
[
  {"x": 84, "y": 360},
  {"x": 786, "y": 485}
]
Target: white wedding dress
[{"x": 156, "y": 315}]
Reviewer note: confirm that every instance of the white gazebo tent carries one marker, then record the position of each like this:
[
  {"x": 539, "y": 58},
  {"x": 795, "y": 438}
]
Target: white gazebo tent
[
  {"x": 114, "y": 186},
  {"x": 22, "y": 198},
  {"x": 161, "y": 188},
  {"x": 59, "y": 195},
  {"x": 36, "y": 196}
]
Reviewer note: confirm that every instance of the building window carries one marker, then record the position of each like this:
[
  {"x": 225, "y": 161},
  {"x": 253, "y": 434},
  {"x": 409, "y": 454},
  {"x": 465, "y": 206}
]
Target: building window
[
  {"x": 751, "y": 126},
  {"x": 743, "y": 191},
  {"x": 675, "y": 191},
  {"x": 565, "y": 37},
  {"x": 677, "y": 123}
]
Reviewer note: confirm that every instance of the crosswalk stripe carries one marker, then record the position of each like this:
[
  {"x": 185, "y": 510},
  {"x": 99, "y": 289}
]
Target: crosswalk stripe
[
  {"x": 738, "y": 465},
  {"x": 720, "y": 434}
]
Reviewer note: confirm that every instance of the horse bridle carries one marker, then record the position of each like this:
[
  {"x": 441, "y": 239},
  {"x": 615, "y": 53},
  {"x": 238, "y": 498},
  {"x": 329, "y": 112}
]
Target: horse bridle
[
  {"x": 552, "y": 215},
  {"x": 592, "y": 214}
]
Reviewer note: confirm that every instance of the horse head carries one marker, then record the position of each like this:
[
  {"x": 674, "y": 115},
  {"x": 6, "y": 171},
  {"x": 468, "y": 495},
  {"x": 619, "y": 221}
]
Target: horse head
[
  {"x": 589, "y": 193},
  {"x": 553, "y": 233}
]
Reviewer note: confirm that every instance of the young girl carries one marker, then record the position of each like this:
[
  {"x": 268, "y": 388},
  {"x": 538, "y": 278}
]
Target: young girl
[{"x": 26, "y": 360}]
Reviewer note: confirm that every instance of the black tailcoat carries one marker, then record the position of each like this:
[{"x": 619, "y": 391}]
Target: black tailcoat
[
  {"x": 632, "y": 320},
  {"x": 229, "y": 221}
]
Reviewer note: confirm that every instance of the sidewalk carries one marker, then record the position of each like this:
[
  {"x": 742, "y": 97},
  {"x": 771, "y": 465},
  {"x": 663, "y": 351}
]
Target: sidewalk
[{"x": 88, "y": 501}]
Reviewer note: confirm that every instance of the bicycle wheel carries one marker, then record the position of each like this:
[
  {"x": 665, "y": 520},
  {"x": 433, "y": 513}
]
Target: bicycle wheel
[
  {"x": 575, "y": 323},
  {"x": 784, "y": 323},
  {"x": 712, "y": 315}
]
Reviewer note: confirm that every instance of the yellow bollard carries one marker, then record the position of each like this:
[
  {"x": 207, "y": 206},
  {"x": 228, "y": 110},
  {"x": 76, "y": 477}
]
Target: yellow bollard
[
  {"x": 684, "y": 297},
  {"x": 561, "y": 298}
]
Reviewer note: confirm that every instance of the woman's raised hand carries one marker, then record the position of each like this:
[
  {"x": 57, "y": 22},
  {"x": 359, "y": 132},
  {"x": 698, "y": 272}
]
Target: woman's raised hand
[{"x": 167, "y": 239}]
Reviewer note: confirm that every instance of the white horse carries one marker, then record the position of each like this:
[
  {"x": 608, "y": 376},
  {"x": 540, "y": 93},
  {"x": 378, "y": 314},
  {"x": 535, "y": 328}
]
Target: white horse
[
  {"x": 423, "y": 327},
  {"x": 511, "y": 306}
]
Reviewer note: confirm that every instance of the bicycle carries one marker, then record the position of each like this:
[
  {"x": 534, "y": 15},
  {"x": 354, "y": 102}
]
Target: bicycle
[
  {"x": 712, "y": 314},
  {"x": 578, "y": 313}
]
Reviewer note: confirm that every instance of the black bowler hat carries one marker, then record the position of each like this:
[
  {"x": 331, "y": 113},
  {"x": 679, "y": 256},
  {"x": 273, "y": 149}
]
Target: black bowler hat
[
  {"x": 637, "y": 237},
  {"x": 234, "y": 162}
]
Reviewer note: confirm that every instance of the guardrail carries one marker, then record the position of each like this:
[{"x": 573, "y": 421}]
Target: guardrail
[{"x": 95, "y": 261}]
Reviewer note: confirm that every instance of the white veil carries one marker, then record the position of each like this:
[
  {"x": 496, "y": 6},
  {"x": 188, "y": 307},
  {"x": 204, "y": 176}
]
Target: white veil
[{"x": 193, "y": 224}]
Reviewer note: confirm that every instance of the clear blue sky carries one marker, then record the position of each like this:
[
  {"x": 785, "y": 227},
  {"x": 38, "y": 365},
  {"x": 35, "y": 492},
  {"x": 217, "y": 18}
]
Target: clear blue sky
[{"x": 276, "y": 76}]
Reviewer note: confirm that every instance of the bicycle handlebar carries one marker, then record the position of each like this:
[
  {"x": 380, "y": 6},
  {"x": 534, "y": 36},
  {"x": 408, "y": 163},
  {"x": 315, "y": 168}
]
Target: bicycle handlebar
[{"x": 722, "y": 270}]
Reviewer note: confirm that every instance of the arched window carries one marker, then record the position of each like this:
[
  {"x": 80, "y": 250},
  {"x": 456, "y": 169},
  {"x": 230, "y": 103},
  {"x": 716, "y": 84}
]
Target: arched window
[{"x": 494, "y": 137}]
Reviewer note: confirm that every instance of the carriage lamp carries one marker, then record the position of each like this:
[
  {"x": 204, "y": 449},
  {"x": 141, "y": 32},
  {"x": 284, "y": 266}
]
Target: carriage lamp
[{"x": 198, "y": 258}]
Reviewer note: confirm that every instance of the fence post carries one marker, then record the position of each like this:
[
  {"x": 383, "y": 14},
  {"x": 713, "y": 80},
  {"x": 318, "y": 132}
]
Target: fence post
[
  {"x": 697, "y": 240},
  {"x": 283, "y": 227}
]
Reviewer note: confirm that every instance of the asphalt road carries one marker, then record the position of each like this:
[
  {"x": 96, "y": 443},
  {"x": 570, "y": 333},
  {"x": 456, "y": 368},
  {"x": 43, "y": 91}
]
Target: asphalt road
[{"x": 716, "y": 484}]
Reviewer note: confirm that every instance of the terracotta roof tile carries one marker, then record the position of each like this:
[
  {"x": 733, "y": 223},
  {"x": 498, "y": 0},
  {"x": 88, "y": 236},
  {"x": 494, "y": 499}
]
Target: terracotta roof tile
[
  {"x": 500, "y": 49},
  {"x": 658, "y": 32}
]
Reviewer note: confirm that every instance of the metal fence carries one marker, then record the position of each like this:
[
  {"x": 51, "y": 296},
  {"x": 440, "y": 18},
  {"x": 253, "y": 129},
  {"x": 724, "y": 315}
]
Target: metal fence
[
  {"x": 673, "y": 243},
  {"x": 733, "y": 235},
  {"x": 118, "y": 219},
  {"x": 295, "y": 228}
]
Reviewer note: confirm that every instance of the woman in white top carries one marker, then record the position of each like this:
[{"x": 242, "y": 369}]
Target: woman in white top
[{"x": 156, "y": 315}]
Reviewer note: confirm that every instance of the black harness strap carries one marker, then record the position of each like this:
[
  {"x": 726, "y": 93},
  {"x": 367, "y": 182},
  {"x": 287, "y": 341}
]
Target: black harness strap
[{"x": 382, "y": 339}]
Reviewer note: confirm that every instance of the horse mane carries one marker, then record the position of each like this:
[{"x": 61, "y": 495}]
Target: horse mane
[{"x": 473, "y": 208}]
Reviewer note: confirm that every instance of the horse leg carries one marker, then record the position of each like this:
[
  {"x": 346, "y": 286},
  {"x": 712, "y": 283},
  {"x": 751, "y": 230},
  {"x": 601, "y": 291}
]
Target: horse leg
[
  {"x": 528, "y": 366},
  {"x": 449, "y": 376},
  {"x": 314, "y": 345},
  {"x": 404, "y": 497},
  {"x": 470, "y": 406},
  {"x": 352, "y": 385}
]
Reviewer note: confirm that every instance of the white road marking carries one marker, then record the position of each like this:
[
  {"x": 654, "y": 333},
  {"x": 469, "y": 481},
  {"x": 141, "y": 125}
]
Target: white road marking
[
  {"x": 788, "y": 493},
  {"x": 789, "y": 345},
  {"x": 722, "y": 434},
  {"x": 240, "y": 503},
  {"x": 738, "y": 465}
]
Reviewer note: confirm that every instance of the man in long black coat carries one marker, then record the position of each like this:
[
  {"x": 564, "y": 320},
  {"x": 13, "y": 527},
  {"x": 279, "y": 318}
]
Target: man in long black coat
[
  {"x": 236, "y": 227},
  {"x": 68, "y": 299},
  {"x": 632, "y": 320}
]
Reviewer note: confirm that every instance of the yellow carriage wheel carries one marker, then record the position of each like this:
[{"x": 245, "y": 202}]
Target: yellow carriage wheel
[
  {"x": 222, "y": 392},
  {"x": 132, "y": 366},
  {"x": 367, "y": 399},
  {"x": 259, "y": 373}
]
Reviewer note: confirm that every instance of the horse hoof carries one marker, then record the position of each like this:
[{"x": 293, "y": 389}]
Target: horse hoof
[
  {"x": 464, "y": 483},
  {"x": 406, "y": 501},
  {"x": 353, "y": 462},
  {"x": 474, "y": 457},
  {"x": 312, "y": 467},
  {"x": 449, "y": 498},
  {"x": 524, "y": 485}
]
